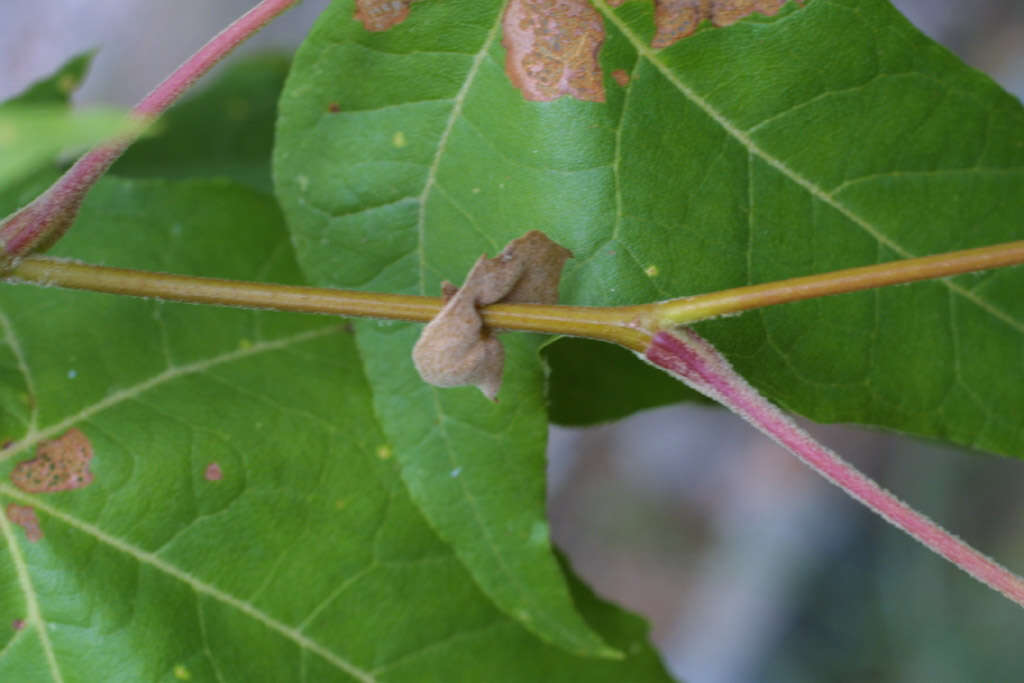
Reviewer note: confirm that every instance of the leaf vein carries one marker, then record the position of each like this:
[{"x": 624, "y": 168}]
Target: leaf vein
[
  {"x": 199, "y": 586},
  {"x": 34, "y": 616},
  {"x": 114, "y": 398},
  {"x": 460, "y": 99},
  {"x": 12, "y": 342},
  {"x": 808, "y": 185}
]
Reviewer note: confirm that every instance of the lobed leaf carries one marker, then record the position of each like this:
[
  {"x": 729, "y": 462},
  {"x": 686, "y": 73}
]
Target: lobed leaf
[
  {"x": 830, "y": 135},
  {"x": 476, "y": 469},
  {"x": 240, "y": 522}
]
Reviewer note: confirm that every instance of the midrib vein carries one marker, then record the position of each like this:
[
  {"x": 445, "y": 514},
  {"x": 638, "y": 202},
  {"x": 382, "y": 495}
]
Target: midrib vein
[
  {"x": 460, "y": 99},
  {"x": 34, "y": 615},
  {"x": 35, "y": 436},
  {"x": 442, "y": 145},
  {"x": 161, "y": 565},
  {"x": 652, "y": 56}
]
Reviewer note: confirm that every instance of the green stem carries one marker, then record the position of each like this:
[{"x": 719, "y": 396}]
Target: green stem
[
  {"x": 691, "y": 309},
  {"x": 616, "y": 324},
  {"x": 629, "y": 326}
]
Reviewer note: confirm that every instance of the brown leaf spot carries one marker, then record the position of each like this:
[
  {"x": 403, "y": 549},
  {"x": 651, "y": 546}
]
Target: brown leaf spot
[
  {"x": 380, "y": 15},
  {"x": 213, "y": 472},
  {"x": 455, "y": 348},
  {"x": 18, "y": 624},
  {"x": 334, "y": 107},
  {"x": 25, "y": 517},
  {"x": 551, "y": 49},
  {"x": 677, "y": 19},
  {"x": 60, "y": 465},
  {"x": 621, "y": 77}
]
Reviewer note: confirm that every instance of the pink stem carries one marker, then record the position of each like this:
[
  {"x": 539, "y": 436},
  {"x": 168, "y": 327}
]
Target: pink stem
[
  {"x": 38, "y": 225},
  {"x": 693, "y": 360}
]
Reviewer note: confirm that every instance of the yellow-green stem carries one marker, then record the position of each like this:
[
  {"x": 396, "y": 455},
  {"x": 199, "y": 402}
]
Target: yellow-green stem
[
  {"x": 629, "y": 326},
  {"x": 614, "y": 324},
  {"x": 691, "y": 309}
]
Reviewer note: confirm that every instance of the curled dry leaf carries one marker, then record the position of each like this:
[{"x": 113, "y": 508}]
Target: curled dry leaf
[
  {"x": 551, "y": 49},
  {"x": 456, "y": 348},
  {"x": 60, "y": 465}
]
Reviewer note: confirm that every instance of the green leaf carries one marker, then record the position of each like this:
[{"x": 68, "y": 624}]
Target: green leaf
[
  {"x": 37, "y": 125},
  {"x": 579, "y": 396},
  {"x": 31, "y": 136},
  {"x": 52, "y": 91},
  {"x": 301, "y": 556},
  {"x": 875, "y": 144},
  {"x": 830, "y": 135},
  {"x": 476, "y": 469},
  {"x": 55, "y": 89},
  {"x": 226, "y": 130}
]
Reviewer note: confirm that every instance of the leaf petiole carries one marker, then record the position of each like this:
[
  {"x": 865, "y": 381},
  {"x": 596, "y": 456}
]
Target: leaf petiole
[{"x": 692, "y": 360}]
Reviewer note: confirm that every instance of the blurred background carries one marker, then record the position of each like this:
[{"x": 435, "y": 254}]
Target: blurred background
[{"x": 748, "y": 566}]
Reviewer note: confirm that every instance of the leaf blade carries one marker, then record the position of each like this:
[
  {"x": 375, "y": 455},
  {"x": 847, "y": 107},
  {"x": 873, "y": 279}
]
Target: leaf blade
[
  {"x": 791, "y": 158},
  {"x": 497, "y": 530},
  {"x": 301, "y": 555}
]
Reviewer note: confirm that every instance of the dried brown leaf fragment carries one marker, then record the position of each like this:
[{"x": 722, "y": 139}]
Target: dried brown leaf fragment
[{"x": 456, "y": 348}]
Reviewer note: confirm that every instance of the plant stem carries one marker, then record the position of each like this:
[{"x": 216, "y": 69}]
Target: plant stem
[
  {"x": 614, "y": 324},
  {"x": 630, "y": 326},
  {"x": 40, "y": 224},
  {"x": 691, "y": 309},
  {"x": 688, "y": 357}
]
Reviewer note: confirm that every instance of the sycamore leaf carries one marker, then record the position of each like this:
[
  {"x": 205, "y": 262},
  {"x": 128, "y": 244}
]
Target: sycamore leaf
[
  {"x": 830, "y": 135},
  {"x": 475, "y": 468},
  {"x": 240, "y": 520}
]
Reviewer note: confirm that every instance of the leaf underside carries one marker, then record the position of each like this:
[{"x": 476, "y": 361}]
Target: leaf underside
[
  {"x": 243, "y": 519},
  {"x": 830, "y": 135},
  {"x": 242, "y": 524},
  {"x": 827, "y": 136}
]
